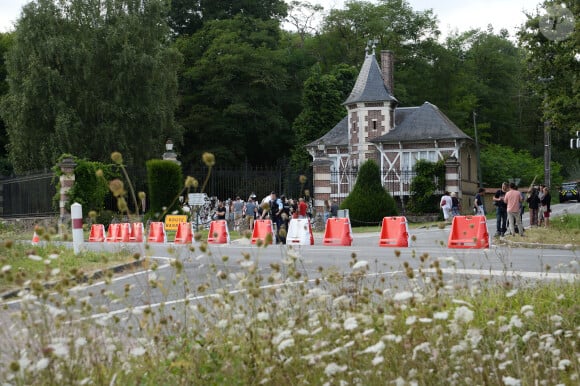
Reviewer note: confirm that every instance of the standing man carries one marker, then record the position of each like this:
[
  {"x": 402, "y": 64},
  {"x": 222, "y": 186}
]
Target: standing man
[
  {"x": 501, "y": 210},
  {"x": 251, "y": 211},
  {"x": 513, "y": 200},
  {"x": 478, "y": 203},
  {"x": 541, "y": 207},
  {"x": 446, "y": 204},
  {"x": 238, "y": 207},
  {"x": 334, "y": 209}
]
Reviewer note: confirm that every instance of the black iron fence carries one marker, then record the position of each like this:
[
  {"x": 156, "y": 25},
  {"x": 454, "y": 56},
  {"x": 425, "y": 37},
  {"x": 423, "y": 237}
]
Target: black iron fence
[
  {"x": 28, "y": 196},
  {"x": 32, "y": 195}
]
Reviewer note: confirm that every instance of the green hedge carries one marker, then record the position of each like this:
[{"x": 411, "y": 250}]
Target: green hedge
[{"x": 165, "y": 181}]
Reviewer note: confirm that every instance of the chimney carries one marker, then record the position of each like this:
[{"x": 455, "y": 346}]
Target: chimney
[{"x": 387, "y": 68}]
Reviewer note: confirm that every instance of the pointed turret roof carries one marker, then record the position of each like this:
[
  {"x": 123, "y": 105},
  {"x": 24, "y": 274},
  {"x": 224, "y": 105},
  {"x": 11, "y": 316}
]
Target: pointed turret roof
[{"x": 370, "y": 85}]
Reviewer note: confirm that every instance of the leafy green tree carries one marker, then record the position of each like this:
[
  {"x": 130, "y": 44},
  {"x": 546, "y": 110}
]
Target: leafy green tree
[
  {"x": 551, "y": 40},
  {"x": 89, "y": 78},
  {"x": 186, "y": 17},
  {"x": 322, "y": 108},
  {"x": 6, "y": 40},
  {"x": 501, "y": 163},
  {"x": 368, "y": 202},
  {"x": 234, "y": 92}
]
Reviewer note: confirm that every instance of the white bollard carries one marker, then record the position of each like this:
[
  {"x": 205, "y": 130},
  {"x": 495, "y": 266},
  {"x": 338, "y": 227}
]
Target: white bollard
[{"x": 76, "y": 214}]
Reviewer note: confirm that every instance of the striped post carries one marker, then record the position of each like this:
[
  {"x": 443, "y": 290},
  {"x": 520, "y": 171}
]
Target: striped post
[{"x": 76, "y": 211}]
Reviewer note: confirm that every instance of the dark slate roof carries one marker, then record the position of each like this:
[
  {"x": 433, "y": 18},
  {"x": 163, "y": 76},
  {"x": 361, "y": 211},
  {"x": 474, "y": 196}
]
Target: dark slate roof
[
  {"x": 369, "y": 86},
  {"x": 426, "y": 122},
  {"x": 337, "y": 136}
]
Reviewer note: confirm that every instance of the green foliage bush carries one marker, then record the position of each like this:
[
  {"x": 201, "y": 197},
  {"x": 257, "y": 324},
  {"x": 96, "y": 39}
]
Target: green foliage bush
[
  {"x": 165, "y": 181},
  {"x": 501, "y": 163},
  {"x": 424, "y": 186},
  {"x": 369, "y": 202}
]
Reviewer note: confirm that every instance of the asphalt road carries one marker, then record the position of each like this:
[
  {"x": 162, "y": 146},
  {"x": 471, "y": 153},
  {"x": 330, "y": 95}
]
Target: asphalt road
[{"x": 505, "y": 263}]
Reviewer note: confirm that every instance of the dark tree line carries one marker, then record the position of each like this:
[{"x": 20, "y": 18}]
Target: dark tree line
[{"x": 225, "y": 77}]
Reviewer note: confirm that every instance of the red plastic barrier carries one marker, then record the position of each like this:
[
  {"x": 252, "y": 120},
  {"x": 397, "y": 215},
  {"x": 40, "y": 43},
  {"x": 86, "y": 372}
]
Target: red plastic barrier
[
  {"x": 97, "y": 233},
  {"x": 262, "y": 228},
  {"x": 156, "y": 233},
  {"x": 124, "y": 232},
  {"x": 184, "y": 233},
  {"x": 469, "y": 232},
  {"x": 394, "y": 232},
  {"x": 137, "y": 232},
  {"x": 218, "y": 232},
  {"x": 337, "y": 232},
  {"x": 113, "y": 233}
]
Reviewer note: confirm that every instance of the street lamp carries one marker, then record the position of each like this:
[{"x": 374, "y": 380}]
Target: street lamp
[{"x": 169, "y": 154}]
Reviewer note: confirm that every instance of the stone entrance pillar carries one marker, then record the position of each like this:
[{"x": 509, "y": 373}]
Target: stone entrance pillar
[
  {"x": 321, "y": 176},
  {"x": 67, "y": 180},
  {"x": 452, "y": 176}
]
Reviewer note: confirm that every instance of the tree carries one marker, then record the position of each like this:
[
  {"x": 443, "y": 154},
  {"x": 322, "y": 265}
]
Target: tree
[
  {"x": 186, "y": 17},
  {"x": 501, "y": 163},
  {"x": 321, "y": 108},
  {"x": 234, "y": 89},
  {"x": 551, "y": 40},
  {"x": 423, "y": 186},
  {"x": 6, "y": 40},
  {"x": 90, "y": 78},
  {"x": 368, "y": 202}
]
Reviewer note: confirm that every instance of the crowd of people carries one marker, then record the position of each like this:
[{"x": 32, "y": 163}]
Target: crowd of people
[{"x": 510, "y": 204}]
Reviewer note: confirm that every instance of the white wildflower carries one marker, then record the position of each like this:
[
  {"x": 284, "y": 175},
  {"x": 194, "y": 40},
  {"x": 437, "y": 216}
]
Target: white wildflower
[
  {"x": 24, "y": 362},
  {"x": 400, "y": 382},
  {"x": 393, "y": 338},
  {"x": 509, "y": 381},
  {"x": 368, "y": 332},
  {"x": 35, "y": 257},
  {"x": 564, "y": 364},
  {"x": 137, "y": 351},
  {"x": 85, "y": 381},
  {"x": 350, "y": 324},
  {"x": 377, "y": 360},
  {"x": 360, "y": 264},
  {"x": 281, "y": 336},
  {"x": 332, "y": 369},
  {"x": 80, "y": 342},
  {"x": 422, "y": 347},
  {"x": 152, "y": 276},
  {"x": 463, "y": 314},
  {"x": 54, "y": 311},
  {"x": 374, "y": 349},
  {"x": 263, "y": 316},
  {"x": 410, "y": 320},
  {"x": 515, "y": 321},
  {"x": 285, "y": 344},
  {"x": 425, "y": 320},
  {"x": 53, "y": 256},
  {"x": 511, "y": 293},
  {"x": 6, "y": 268},
  {"x": 223, "y": 323},
  {"x": 463, "y": 302},
  {"x": 54, "y": 271},
  {"x": 59, "y": 349},
  {"x": 443, "y": 315},
  {"x": 341, "y": 301},
  {"x": 42, "y": 364},
  {"x": 402, "y": 296}
]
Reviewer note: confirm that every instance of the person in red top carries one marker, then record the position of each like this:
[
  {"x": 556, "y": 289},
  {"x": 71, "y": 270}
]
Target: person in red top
[
  {"x": 513, "y": 198},
  {"x": 302, "y": 208}
]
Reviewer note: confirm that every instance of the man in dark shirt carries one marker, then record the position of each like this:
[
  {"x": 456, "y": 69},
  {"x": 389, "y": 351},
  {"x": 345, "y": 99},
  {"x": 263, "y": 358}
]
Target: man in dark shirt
[
  {"x": 501, "y": 210},
  {"x": 220, "y": 211},
  {"x": 334, "y": 209}
]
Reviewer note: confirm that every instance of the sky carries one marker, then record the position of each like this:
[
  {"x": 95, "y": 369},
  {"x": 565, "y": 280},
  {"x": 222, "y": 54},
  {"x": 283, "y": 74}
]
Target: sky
[{"x": 460, "y": 15}]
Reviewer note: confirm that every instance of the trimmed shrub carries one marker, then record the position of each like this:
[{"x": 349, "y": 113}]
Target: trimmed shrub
[
  {"x": 369, "y": 202},
  {"x": 165, "y": 181}
]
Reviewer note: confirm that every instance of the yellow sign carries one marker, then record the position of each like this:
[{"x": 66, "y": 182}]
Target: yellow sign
[{"x": 172, "y": 221}]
